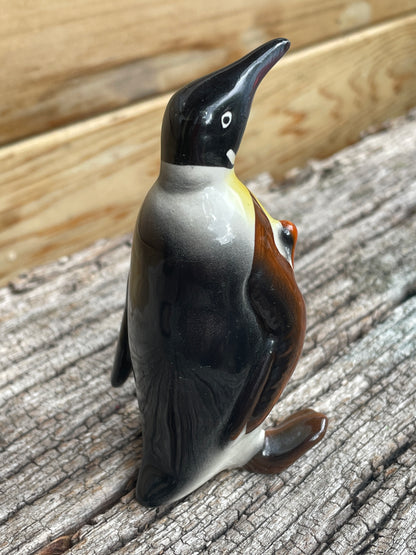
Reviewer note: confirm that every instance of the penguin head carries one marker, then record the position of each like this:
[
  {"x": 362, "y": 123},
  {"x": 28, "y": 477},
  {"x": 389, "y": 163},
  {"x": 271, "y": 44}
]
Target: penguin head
[{"x": 204, "y": 122}]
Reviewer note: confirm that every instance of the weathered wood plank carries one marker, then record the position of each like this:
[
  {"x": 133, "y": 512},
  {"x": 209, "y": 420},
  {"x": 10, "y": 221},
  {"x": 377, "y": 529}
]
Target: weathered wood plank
[
  {"x": 67, "y": 61},
  {"x": 62, "y": 191},
  {"x": 70, "y": 445}
]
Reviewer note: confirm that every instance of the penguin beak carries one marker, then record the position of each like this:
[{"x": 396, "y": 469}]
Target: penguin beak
[
  {"x": 246, "y": 75},
  {"x": 258, "y": 63}
]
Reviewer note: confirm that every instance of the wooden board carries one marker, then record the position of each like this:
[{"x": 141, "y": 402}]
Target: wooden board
[
  {"x": 62, "y": 191},
  {"x": 70, "y": 445},
  {"x": 65, "y": 61}
]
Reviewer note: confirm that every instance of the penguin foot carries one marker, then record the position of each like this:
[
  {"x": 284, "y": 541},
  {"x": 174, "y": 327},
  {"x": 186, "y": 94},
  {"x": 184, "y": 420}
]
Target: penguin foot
[{"x": 287, "y": 441}]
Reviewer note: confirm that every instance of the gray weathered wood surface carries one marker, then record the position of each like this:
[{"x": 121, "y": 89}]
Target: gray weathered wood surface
[{"x": 70, "y": 445}]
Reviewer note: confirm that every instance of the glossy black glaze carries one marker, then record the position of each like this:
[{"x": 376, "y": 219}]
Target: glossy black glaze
[
  {"x": 208, "y": 117},
  {"x": 192, "y": 356}
]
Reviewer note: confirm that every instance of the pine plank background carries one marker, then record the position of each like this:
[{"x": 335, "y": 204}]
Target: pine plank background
[
  {"x": 85, "y": 85},
  {"x": 70, "y": 445},
  {"x": 66, "y": 61}
]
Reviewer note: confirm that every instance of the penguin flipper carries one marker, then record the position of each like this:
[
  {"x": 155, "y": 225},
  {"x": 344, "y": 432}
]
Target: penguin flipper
[{"x": 122, "y": 362}]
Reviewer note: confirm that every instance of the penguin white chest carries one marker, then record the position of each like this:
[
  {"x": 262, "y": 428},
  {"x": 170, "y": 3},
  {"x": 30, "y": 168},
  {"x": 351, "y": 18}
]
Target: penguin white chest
[{"x": 204, "y": 211}]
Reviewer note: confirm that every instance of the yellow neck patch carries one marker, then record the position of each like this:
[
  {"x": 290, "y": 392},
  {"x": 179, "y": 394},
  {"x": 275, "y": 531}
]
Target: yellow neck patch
[{"x": 244, "y": 197}]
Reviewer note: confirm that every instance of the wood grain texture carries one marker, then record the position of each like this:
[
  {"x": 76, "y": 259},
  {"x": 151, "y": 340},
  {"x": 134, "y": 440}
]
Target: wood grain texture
[
  {"x": 70, "y": 445},
  {"x": 61, "y": 191},
  {"x": 65, "y": 61}
]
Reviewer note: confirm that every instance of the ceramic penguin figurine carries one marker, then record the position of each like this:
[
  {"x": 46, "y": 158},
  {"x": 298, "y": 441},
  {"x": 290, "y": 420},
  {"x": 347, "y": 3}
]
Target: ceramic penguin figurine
[{"x": 214, "y": 322}]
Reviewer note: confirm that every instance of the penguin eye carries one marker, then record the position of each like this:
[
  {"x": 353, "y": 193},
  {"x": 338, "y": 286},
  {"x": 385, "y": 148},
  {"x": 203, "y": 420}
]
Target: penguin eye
[
  {"x": 226, "y": 119},
  {"x": 287, "y": 236},
  {"x": 287, "y": 239}
]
